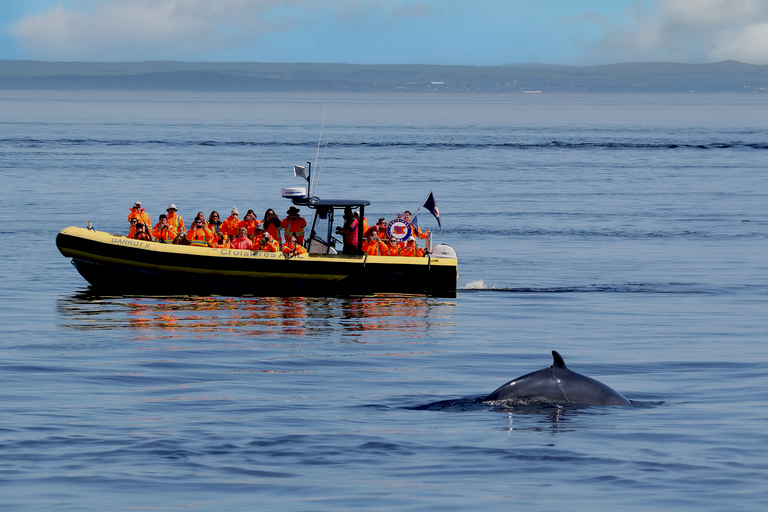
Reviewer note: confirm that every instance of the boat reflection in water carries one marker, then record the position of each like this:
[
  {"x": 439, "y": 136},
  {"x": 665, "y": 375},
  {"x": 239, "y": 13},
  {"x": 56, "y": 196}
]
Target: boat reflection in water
[{"x": 278, "y": 317}]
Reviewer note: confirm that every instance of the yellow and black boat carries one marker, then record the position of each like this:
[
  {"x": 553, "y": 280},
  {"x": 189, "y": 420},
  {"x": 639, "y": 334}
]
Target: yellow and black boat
[{"x": 117, "y": 264}]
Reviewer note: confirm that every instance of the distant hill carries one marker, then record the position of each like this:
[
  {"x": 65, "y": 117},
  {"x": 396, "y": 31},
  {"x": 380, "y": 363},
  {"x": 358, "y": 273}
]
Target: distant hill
[{"x": 654, "y": 77}]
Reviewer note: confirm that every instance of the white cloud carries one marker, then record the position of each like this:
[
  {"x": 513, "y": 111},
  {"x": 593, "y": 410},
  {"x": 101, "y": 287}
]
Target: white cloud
[
  {"x": 120, "y": 28},
  {"x": 687, "y": 31},
  {"x": 182, "y": 29}
]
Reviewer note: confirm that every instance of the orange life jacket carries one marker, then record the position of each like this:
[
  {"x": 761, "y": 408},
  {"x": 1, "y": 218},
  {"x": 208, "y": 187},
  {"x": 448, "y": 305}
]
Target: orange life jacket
[
  {"x": 176, "y": 221},
  {"x": 250, "y": 225},
  {"x": 164, "y": 233},
  {"x": 272, "y": 246},
  {"x": 142, "y": 216},
  {"x": 393, "y": 250},
  {"x": 200, "y": 237},
  {"x": 273, "y": 228},
  {"x": 290, "y": 248},
  {"x": 375, "y": 248},
  {"x": 142, "y": 236},
  {"x": 230, "y": 226},
  {"x": 241, "y": 243},
  {"x": 293, "y": 227}
]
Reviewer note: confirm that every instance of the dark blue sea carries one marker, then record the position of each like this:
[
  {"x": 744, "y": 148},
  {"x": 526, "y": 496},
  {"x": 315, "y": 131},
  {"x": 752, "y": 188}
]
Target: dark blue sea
[{"x": 627, "y": 232}]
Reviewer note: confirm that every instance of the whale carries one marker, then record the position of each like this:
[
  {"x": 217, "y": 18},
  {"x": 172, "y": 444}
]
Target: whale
[{"x": 557, "y": 384}]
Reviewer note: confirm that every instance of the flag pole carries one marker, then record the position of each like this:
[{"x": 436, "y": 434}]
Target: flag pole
[{"x": 422, "y": 203}]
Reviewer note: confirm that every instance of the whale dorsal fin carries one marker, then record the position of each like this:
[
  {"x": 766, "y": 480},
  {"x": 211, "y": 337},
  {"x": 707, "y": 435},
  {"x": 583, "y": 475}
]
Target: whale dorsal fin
[{"x": 559, "y": 362}]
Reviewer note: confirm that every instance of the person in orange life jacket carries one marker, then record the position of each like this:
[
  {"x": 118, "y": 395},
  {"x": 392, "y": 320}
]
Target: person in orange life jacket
[
  {"x": 375, "y": 247},
  {"x": 348, "y": 232},
  {"x": 140, "y": 214},
  {"x": 132, "y": 231},
  {"x": 241, "y": 241},
  {"x": 181, "y": 239},
  {"x": 141, "y": 233},
  {"x": 164, "y": 232},
  {"x": 200, "y": 236},
  {"x": 267, "y": 244},
  {"x": 417, "y": 232},
  {"x": 379, "y": 229},
  {"x": 292, "y": 248},
  {"x": 220, "y": 239},
  {"x": 393, "y": 247},
  {"x": 216, "y": 227},
  {"x": 175, "y": 219},
  {"x": 294, "y": 225},
  {"x": 271, "y": 224},
  {"x": 250, "y": 222},
  {"x": 199, "y": 216},
  {"x": 364, "y": 221},
  {"x": 367, "y": 242},
  {"x": 214, "y": 223},
  {"x": 411, "y": 249},
  {"x": 258, "y": 233},
  {"x": 221, "y": 242},
  {"x": 231, "y": 224}
]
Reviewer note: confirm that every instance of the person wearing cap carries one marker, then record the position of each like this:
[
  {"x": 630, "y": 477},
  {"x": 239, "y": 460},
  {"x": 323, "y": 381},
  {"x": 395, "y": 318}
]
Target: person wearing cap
[
  {"x": 140, "y": 214},
  {"x": 164, "y": 232},
  {"x": 232, "y": 224},
  {"x": 293, "y": 225},
  {"x": 292, "y": 248},
  {"x": 267, "y": 243},
  {"x": 199, "y": 235},
  {"x": 174, "y": 219},
  {"x": 257, "y": 235},
  {"x": 411, "y": 249}
]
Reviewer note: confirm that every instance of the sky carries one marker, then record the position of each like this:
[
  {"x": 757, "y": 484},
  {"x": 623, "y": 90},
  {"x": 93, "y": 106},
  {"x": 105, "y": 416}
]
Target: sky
[{"x": 460, "y": 32}]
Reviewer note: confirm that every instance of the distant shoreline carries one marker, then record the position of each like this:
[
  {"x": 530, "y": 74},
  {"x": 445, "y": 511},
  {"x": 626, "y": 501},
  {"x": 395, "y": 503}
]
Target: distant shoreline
[{"x": 728, "y": 76}]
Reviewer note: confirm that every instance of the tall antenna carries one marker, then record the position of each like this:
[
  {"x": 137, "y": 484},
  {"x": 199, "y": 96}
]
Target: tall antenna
[
  {"x": 317, "y": 174},
  {"x": 320, "y": 140}
]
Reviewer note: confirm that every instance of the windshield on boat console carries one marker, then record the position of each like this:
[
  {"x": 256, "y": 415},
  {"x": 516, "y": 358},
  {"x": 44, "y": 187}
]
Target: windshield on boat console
[{"x": 322, "y": 236}]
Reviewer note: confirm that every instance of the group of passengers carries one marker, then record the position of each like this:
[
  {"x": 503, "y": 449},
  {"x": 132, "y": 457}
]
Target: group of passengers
[
  {"x": 377, "y": 241},
  {"x": 265, "y": 235}
]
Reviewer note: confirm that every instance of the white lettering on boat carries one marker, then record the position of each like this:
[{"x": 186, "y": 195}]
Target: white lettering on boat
[
  {"x": 128, "y": 241},
  {"x": 245, "y": 253}
]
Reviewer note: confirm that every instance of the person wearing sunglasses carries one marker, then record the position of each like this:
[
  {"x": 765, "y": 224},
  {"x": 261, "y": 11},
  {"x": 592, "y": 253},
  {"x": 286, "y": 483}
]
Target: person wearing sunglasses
[
  {"x": 199, "y": 235},
  {"x": 232, "y": 224}
]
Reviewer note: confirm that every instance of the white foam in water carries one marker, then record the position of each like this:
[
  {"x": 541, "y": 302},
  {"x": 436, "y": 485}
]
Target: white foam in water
[{"x": 477, "y": 285}]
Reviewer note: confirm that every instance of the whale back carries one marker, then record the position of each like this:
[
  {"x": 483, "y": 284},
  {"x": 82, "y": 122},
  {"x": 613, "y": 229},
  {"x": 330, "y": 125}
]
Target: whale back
[{"x": 557, "y": 384}]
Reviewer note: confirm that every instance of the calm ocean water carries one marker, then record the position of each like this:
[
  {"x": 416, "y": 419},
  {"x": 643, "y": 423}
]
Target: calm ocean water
[{"x": 630, "y": 233}]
